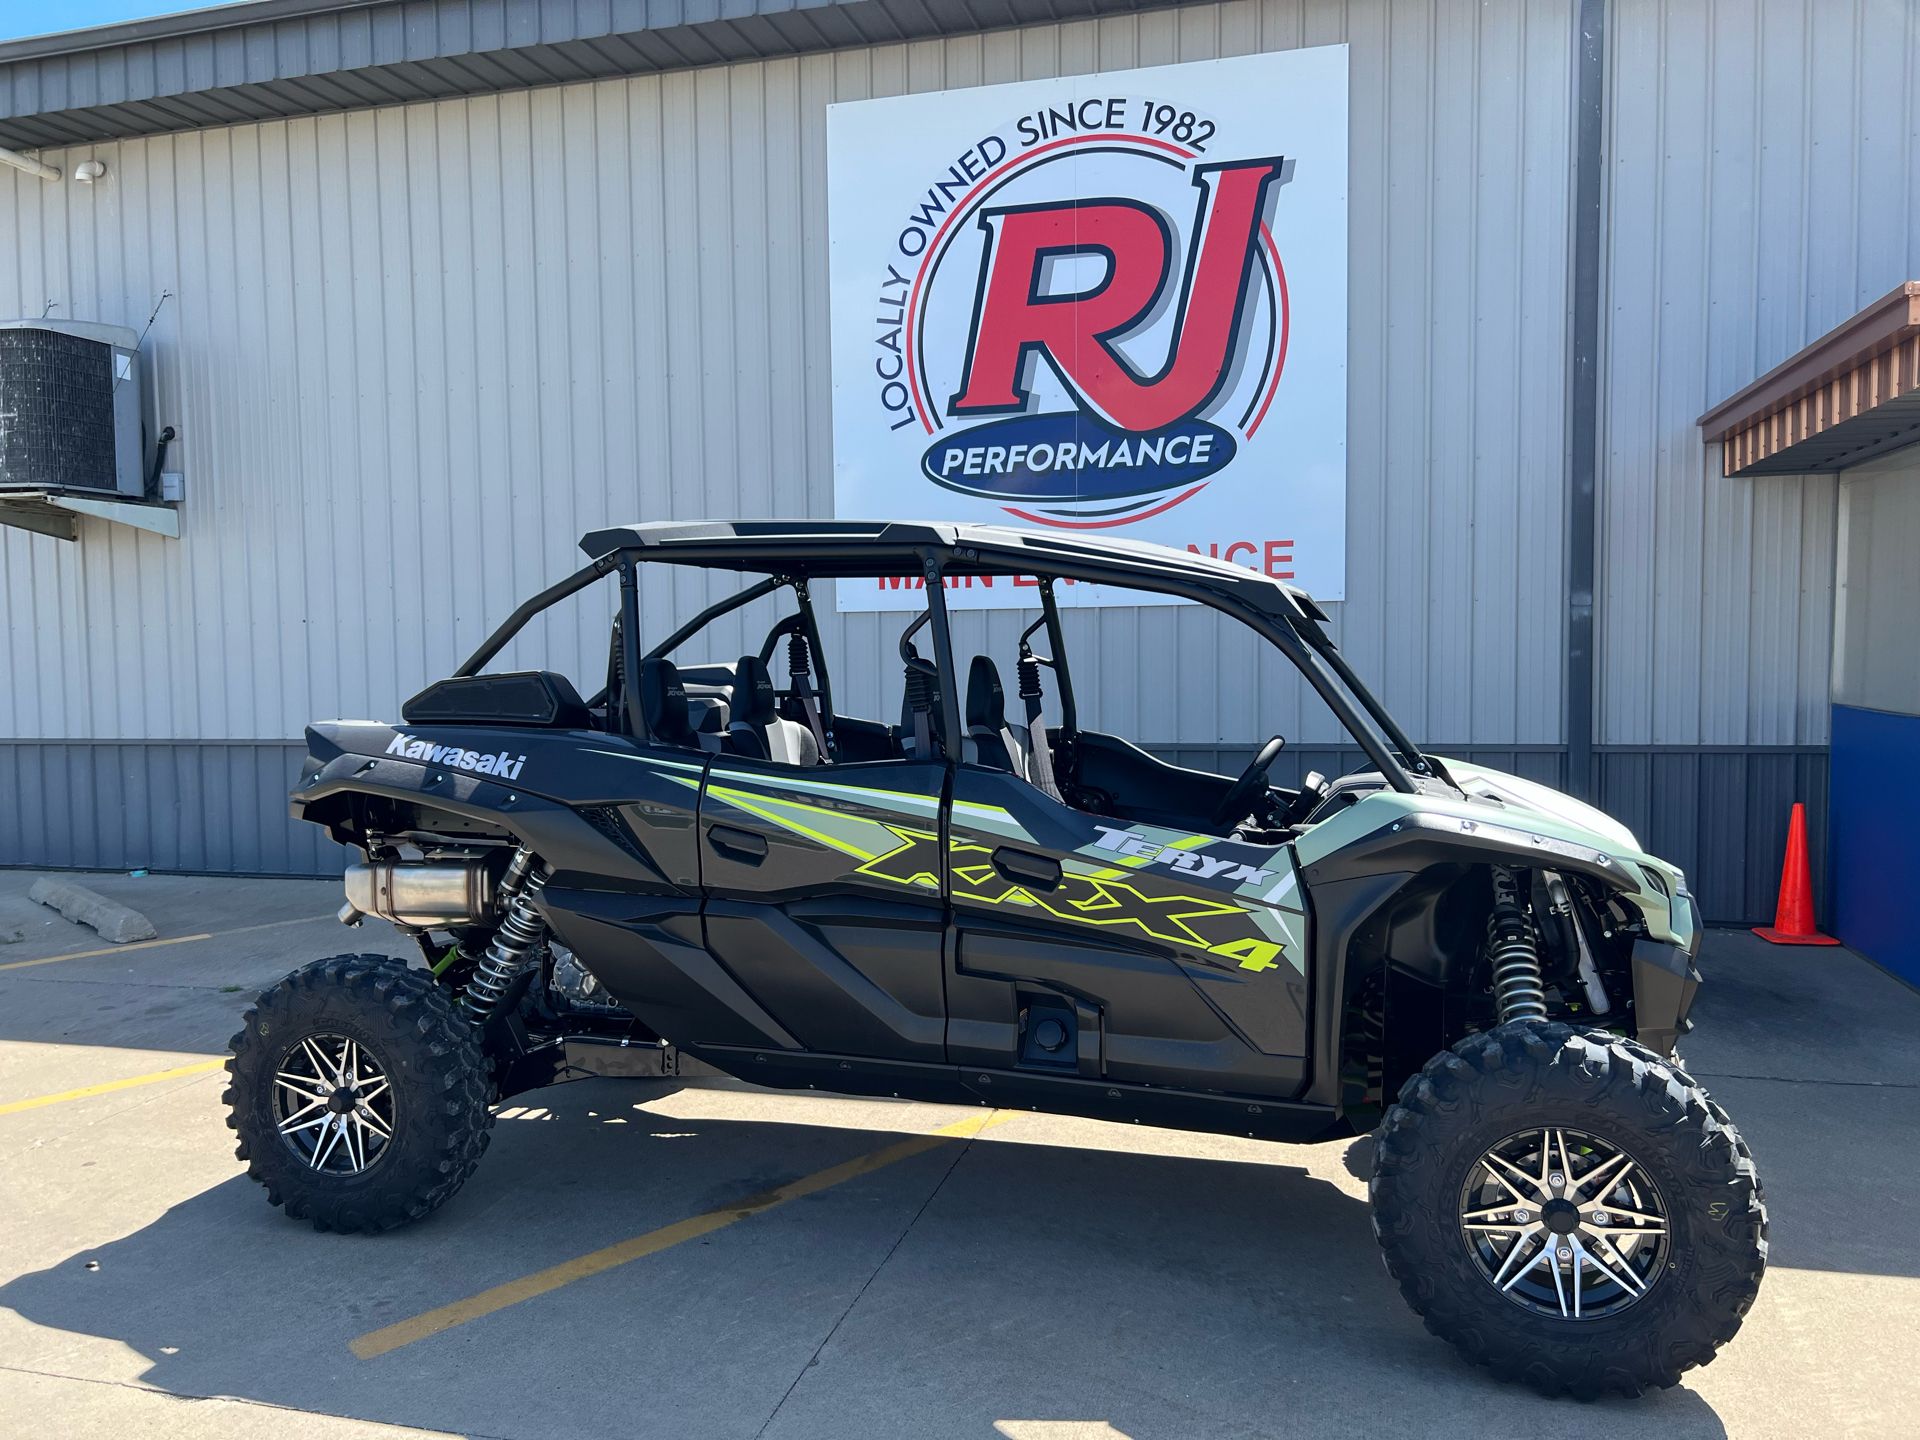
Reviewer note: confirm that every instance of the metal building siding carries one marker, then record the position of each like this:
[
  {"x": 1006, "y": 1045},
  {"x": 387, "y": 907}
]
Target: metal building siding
[
  {"x": 414, "y": 352},
  {"x": 113, "y": 805},
  {"x": 1760, "y": 190}
]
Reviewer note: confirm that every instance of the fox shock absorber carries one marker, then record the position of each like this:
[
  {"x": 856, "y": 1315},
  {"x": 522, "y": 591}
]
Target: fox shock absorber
[
  {"x": 1513, "y": 951},
  {"x": 521, "y": 929}
]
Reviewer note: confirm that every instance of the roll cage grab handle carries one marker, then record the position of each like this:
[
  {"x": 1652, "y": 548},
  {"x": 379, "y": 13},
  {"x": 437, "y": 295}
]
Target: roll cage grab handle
[
  {"x": 1328, "y": 651},
  {"x": 1056, "y": 658},
  {"x": 552, "y": 595},
  {"x": 1303, "y": 642}
]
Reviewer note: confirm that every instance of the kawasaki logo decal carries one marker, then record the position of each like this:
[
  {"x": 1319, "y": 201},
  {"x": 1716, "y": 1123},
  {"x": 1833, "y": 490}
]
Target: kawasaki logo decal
[{"x": 410, "y": 747}]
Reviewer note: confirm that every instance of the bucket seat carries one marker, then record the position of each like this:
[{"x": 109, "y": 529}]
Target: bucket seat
[
  {"x": 663, "y": 704},
  {"x": 757, "y": 731},
  {"x": 988, "y": 735}
]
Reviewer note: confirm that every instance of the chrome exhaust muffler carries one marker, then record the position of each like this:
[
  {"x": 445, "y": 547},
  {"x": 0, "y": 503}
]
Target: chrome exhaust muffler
[{"x": 420, "y": 894}]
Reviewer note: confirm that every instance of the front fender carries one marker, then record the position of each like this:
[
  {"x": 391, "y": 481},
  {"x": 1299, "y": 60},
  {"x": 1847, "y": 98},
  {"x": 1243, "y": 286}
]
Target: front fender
[
  {"x": 1388, "y": 831},
  {"x": 1356, "y": 865}
]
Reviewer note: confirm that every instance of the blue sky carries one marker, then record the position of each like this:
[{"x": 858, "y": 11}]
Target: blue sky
[{"x": 40, "y": 17}]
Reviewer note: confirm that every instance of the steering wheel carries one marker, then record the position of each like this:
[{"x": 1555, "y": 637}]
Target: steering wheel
[{"x": 1237, "y": 804}]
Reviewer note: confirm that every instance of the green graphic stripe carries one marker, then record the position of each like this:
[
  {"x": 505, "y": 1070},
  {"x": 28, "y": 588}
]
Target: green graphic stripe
[
  {"x": 914, "y": 858},
  {"x": 652, "y": 760},
  {"x": 777, "y": 809},
  {"x": 861, "y": 794}
]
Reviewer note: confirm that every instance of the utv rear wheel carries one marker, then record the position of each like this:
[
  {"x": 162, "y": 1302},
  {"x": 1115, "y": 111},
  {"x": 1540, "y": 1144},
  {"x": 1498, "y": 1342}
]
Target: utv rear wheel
[
  {"x": 360, "y": 1094},
  {"x": 1569, "y": 1209}
]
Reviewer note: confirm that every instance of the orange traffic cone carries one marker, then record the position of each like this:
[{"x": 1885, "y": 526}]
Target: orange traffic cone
[{"x": 1793, "y": 916}]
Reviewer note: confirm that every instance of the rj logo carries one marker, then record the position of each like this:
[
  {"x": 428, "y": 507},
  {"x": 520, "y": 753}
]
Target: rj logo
[{"x": 1075, "y": 332}]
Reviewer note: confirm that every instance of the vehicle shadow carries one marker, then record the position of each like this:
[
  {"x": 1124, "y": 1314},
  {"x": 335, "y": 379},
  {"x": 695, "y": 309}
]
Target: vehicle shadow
[{"x": 996, "y": 1287}]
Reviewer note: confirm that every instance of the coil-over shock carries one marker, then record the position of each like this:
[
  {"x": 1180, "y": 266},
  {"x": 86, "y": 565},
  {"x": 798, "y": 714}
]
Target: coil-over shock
[
  {"x": 1513, "y": 953},
  {"x": 512, "y": 947}
]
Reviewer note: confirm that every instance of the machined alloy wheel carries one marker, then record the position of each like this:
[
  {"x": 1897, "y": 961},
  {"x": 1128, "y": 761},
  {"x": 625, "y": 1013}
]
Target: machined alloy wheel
[
  {"x": 333, "y": 1102},
  {"x": 1564, "y": 1223},
  {"x": 360, "y": 1093},
  {"x": 1568, "y": 1208}
]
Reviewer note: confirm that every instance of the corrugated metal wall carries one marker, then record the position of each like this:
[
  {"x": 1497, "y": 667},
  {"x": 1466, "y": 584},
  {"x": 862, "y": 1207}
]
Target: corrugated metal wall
[
  {"x": 413, "y": 353},
  {"x": 1761, "y": 188},
  {"x": 118, "y": 805}
]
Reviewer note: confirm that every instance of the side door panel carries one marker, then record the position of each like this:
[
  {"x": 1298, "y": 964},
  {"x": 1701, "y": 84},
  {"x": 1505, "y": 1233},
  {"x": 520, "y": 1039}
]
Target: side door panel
[
  {"x": 1191, "y": 949},
  {"x": 824, "y": 899},
  {"x": 628, "y": 903}
]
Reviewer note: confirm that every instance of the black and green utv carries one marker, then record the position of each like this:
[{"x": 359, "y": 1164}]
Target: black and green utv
[{"x": 707, "y": 867}]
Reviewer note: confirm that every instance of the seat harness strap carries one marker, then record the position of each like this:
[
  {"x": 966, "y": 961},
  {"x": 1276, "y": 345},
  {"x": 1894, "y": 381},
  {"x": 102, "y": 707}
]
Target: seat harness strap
[
  {"x": 923, "y": 693},
  {"x": 922, "y": 735},
  {"x": 1039, "y": 757},
  {"x": 799, "y": 672}
]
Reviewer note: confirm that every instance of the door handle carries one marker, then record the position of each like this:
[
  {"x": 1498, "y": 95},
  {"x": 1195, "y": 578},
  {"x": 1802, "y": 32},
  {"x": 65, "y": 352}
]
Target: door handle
[
  {"x": 1042, "y": 872},
  {"x": 742, "y": 844}
]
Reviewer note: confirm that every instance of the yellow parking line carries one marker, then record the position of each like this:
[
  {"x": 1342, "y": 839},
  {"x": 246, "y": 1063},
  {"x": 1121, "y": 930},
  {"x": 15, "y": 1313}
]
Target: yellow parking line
[
  {"x": 171, "y": 940},
  {"x": 203, "y": 1067},
  {"x": 108, "y": 950},
  {"x": 379, "y": 1342}
]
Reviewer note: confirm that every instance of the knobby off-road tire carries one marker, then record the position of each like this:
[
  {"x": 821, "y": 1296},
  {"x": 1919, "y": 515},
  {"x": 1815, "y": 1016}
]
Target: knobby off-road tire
[
  {"x": 403, "y": 1027},
  {"x": 1524, "y": 1077}
]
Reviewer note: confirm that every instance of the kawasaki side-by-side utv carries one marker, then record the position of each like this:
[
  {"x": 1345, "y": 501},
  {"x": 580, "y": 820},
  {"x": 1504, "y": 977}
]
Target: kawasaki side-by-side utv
[{"x": 703, "y": 869}]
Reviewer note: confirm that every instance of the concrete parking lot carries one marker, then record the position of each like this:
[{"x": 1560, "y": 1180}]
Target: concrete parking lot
[{"x": 905, "y": 1270}]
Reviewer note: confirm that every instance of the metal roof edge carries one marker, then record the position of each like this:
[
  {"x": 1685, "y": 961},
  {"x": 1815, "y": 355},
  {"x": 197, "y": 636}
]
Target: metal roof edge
[
  {"x": 266, "y": 60},
  {"x": 180, "y": 23}
]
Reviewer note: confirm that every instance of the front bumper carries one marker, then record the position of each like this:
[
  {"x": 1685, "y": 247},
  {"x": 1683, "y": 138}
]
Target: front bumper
[{"x": 1665, "y": 980}]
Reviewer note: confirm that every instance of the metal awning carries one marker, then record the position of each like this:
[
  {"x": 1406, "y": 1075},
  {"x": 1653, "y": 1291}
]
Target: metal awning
[{"x": 1852, "y": 394}]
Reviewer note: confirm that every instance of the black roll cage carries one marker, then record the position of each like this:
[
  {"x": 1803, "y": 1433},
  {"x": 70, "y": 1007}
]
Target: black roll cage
[{"x": 1294, "y": 630}]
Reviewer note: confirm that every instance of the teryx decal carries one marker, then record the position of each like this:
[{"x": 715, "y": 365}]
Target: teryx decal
[
  {"x": 503, "y": 765},
  {"x": 1187, "y": 862},
  {"x": 1202, "y": 922},
  {"x": 908, "y": 855}
]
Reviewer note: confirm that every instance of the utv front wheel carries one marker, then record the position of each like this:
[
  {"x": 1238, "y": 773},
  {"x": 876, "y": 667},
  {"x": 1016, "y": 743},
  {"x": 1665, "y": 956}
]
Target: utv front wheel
[
  {"x": 359, "y": 1094},
  {"x": 1569, "y": 1209}
]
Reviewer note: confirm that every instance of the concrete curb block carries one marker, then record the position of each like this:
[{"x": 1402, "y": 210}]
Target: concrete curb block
[{"x": 116, "y": 923}]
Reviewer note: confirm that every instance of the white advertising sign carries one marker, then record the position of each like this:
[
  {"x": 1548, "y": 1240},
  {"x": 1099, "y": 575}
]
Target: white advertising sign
[{"x": 1110, "y": 305}]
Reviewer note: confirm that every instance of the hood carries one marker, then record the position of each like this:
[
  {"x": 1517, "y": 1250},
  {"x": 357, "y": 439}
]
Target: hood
[{"x": 1515, "y": 793}]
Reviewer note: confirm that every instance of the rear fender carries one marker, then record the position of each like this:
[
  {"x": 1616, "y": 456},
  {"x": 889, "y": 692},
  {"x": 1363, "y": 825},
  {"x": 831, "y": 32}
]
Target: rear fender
[{"x": 626, "y": 825}]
